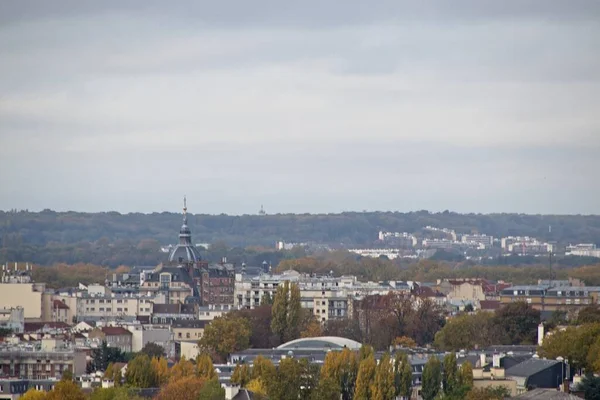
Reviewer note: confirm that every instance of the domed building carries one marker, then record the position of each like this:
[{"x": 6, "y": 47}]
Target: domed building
[{"x": 184, "y": 252}]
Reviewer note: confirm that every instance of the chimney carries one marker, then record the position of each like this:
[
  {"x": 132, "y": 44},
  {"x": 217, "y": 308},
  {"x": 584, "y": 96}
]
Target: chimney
[
  {"x": 496, "y": 360},
  {"x": 540, "y": 334},
  {"x": 231, "y": 391}
]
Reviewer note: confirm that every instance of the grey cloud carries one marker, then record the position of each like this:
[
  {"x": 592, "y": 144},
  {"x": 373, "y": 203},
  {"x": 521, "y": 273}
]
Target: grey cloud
[{"x": 312, "y": 106}]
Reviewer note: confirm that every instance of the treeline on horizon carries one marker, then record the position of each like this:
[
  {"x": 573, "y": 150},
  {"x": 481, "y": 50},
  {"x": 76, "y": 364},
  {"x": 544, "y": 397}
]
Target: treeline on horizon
[
  {"x": 349, "y": 228},
  {"x": 68, "y": 275}
]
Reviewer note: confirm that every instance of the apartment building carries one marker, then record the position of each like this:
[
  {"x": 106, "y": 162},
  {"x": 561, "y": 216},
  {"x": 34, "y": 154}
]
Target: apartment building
[
  {"x": 45, "y": 359},
  {"x": 13, "y": 318},
  {"x": 550, "y": 298},
  {"x": 18, "y": 290},
  {"x": 93, "y": 307}
]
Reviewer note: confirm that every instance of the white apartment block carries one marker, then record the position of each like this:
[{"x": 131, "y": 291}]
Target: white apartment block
[
  {"x": 326, "y": 296},
  {"x": 583, "y": 250},
  {"x": 485, "y": 240}
]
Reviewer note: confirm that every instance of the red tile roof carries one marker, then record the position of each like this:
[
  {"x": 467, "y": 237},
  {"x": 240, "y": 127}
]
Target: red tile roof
[
  {"x": 489, "y": 304},
  {"x": 60, "y": 305},
  {"x": 115, "y": 331},
  {"x": 36, "y": 326}
]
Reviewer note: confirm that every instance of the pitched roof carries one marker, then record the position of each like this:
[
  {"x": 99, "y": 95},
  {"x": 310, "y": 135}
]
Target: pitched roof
[
  {"x": 176, "y": 308},
  {"x": 115, "y": 331},
  {"x": 530, "y": 367},
  {"x": 60, "y": 305},
  {"x": 36, "y": 326},
  {"x": 489, "y": 304},
  {"x": 189, "y": 323}
]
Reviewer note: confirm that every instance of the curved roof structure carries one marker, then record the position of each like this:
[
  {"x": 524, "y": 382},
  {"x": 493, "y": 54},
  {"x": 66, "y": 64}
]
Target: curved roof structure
[
  {"x": 320, "y": 343},
  {"x": 184, "y": 252}
]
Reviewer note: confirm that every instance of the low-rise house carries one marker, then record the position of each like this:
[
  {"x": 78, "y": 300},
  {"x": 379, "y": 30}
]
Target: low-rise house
[{"x": 115, "y": 336}]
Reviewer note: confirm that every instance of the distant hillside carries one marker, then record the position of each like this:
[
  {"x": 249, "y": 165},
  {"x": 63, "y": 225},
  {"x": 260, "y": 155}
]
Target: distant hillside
[{"x": 351, "y": 229}]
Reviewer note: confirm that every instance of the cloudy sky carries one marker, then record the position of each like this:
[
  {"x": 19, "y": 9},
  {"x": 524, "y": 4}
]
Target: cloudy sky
[{"x": 312, "y": 106}]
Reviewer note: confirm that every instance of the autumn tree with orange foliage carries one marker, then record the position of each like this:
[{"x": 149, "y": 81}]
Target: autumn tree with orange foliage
[
  {"x": 182, "y": 369},
  {"x": 186, "y": 388}
]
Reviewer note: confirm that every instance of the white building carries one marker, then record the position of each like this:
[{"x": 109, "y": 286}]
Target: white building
[{"x": 583, "y": 250}]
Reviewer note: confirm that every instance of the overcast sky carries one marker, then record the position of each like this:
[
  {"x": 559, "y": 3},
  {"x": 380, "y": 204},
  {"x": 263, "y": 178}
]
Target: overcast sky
[{"x": 312, "y": 106}]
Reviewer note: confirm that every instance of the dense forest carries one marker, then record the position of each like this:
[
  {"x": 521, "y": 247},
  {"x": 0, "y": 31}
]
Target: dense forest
[
  {"x": 350, "y": 229},
  {"x": 113, "y": 239}
]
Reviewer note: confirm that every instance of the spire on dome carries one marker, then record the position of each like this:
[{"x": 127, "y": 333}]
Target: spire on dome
[
  {"x": 184, "y": 209},
  {"x": 184, "y": 251}
]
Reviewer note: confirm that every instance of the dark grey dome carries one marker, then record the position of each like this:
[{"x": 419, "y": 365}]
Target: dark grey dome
[{"x": 184, "y": 252}]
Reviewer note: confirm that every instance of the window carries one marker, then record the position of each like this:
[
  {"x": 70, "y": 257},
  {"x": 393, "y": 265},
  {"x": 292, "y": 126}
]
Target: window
[
  {"x": 101, "y": 308},
  {"x": 179, "y": 334},
  {"x": 119, "y": 309},
  {"x": 187, "y": 335}
]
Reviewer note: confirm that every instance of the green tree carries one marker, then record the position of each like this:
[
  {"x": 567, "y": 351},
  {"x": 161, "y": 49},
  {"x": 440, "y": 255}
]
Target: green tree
[
  {"x": 341, "y": 367},
  {"x": 241, "y": 375},
  {"x": 288, "y": 380},
  {"x": 576, "y": 343},
  {"x": 279, "y": 311},
  {"x": 590, "y": 385},
  {"x": 65, "y": 390},
  {"x": 226, "y": 334},
  {"x": 384, "y": 379},
  {"x": 450, "y": 374},
  {"x": 488, "y": 393},
  {"x": 365, "y": 351},
  {"x": 258, "y": 387},
  {"x": 589, "y": 315},
  {"x": 263, "y": 368},
  {"x": 114, "y": 393},
  {"x": 266, "y": 299},
  {"x": 402, "y": 375},
  {"x": 161, "y": 368},
  {"x": 153, "y": 350},
  {"x": 465, "y": 375},
  {"x": 140, "y": 373},
  {"x": 113, "y": 373},
  {"x": 327, "y": 389},
  {"x": 33, "y": 394},
  {"x": 432, "y": 378},
  {"x": 212, "y": 390},
  {"x": 517, "y": 322},
  {"x": 468, "y": 331},
  {"x": 204, "y": 367},
  {"x": 293, "y": 314},
  {"x": 365, "y": 379}
]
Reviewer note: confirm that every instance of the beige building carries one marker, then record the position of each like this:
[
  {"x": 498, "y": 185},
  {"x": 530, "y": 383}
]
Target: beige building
[
  {"x": 493, "y": 378},
  {"x": 26, "y": 295},
  {"x": 188, "y": 329},
  {"x": 471, "y": 291},
  {"x": 115, "y": 306},
  {"x": 188, "y": 349}
]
